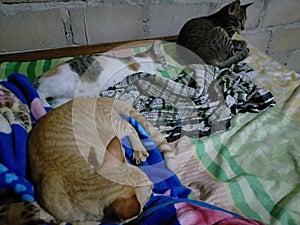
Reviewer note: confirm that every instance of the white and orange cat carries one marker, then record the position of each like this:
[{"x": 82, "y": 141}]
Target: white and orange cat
[
  {"x": 87, "y": 76},
  {"x": 78, "y": 166}
]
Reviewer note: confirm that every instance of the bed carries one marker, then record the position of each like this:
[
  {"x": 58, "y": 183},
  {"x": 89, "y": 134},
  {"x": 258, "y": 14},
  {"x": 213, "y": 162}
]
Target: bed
[{"x": 241, "y": 154}]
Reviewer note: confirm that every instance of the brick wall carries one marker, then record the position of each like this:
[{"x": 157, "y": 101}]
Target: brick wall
[
  {"x": 273, "y": 26},
  {"x": 277, "y": 30}
]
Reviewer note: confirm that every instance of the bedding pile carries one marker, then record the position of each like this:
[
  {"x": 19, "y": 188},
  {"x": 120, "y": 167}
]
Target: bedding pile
[
  {"x": 168, "y": 204},
  {"x": 237, "y": 151},
  {"x": 16, "y": 98},
  {"x": 20, "y": 107}
]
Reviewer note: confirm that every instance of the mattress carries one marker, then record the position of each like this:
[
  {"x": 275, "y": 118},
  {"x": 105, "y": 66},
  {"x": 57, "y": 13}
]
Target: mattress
[{"x": 239, "y": 152}]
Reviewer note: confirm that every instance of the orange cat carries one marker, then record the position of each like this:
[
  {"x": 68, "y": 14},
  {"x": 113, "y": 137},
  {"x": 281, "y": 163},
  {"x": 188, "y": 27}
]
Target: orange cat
[{"x": 78, "y": 164}]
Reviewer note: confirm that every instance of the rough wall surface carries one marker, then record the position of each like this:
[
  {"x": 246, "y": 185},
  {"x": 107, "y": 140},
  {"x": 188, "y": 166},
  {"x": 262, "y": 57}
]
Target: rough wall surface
[{"x": 273, "y": 26}]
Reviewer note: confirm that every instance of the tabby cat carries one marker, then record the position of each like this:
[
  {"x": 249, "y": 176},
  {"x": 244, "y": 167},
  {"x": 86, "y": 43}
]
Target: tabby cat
[
  {"x": 87, "y": 76},
  {"x": 78, "y": 165},
  {"x": 210, "y": 37}
]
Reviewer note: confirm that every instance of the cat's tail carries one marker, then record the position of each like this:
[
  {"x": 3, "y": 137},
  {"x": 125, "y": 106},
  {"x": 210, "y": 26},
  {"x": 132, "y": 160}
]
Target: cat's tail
[{"x": 158, "y": 55}]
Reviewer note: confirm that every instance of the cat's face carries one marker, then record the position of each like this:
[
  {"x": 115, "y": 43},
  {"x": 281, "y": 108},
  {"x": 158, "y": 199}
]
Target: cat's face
[{"x": 236, "y": 17}]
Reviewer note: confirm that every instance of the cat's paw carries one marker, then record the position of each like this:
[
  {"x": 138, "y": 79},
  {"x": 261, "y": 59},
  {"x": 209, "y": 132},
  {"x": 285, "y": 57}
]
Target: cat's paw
[
  {"x": 245, "y": 52},
  {"x": 171, "y": 164},
  {"x": 239, "y": 45},
  {"x": 140, "y": 156}
]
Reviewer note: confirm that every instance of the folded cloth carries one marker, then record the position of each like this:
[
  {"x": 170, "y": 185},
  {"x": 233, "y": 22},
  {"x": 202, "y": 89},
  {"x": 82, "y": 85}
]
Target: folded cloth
[
  {"x": 194, "y": 104},
  {"x": 175, "y": 107},
  {"x": 241, "y": 94},
  {"x": 19, "y": 108}
]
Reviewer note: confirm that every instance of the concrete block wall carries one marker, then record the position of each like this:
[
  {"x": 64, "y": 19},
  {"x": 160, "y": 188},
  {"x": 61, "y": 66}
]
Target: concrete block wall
[
  {"x": 276, "y": 31},
  {"x": 273, "y": 26}
]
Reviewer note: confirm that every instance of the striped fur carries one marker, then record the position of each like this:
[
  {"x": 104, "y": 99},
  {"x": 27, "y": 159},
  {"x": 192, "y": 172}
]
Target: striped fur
[
  {"x": 78, "y": 165},
  {"x": 210, "y": 38}
]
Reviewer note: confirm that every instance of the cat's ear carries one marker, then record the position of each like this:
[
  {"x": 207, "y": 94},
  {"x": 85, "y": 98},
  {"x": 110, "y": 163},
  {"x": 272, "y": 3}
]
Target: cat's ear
[
  {"x": 122, "y": 209},
  {"x": 244, "y": 7},
  {"x": 115, "y": 149},
  {"x": 234, "y": 8}
]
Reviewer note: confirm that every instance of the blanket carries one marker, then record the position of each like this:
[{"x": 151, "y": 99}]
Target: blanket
[
  {"x": 19, "y": 107},
  {"x": 252, "y": 168},
  {"x": 169, "y": 203}
]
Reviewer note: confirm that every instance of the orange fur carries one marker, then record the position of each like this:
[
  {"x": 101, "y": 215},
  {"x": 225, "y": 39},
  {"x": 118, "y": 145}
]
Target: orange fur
[{"x": 78, "y": 164}]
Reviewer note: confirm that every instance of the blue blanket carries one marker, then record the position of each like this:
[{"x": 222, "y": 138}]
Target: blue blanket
[
  {"x": 15, "y": 94},
  {"x": 169, "y": 203}
]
